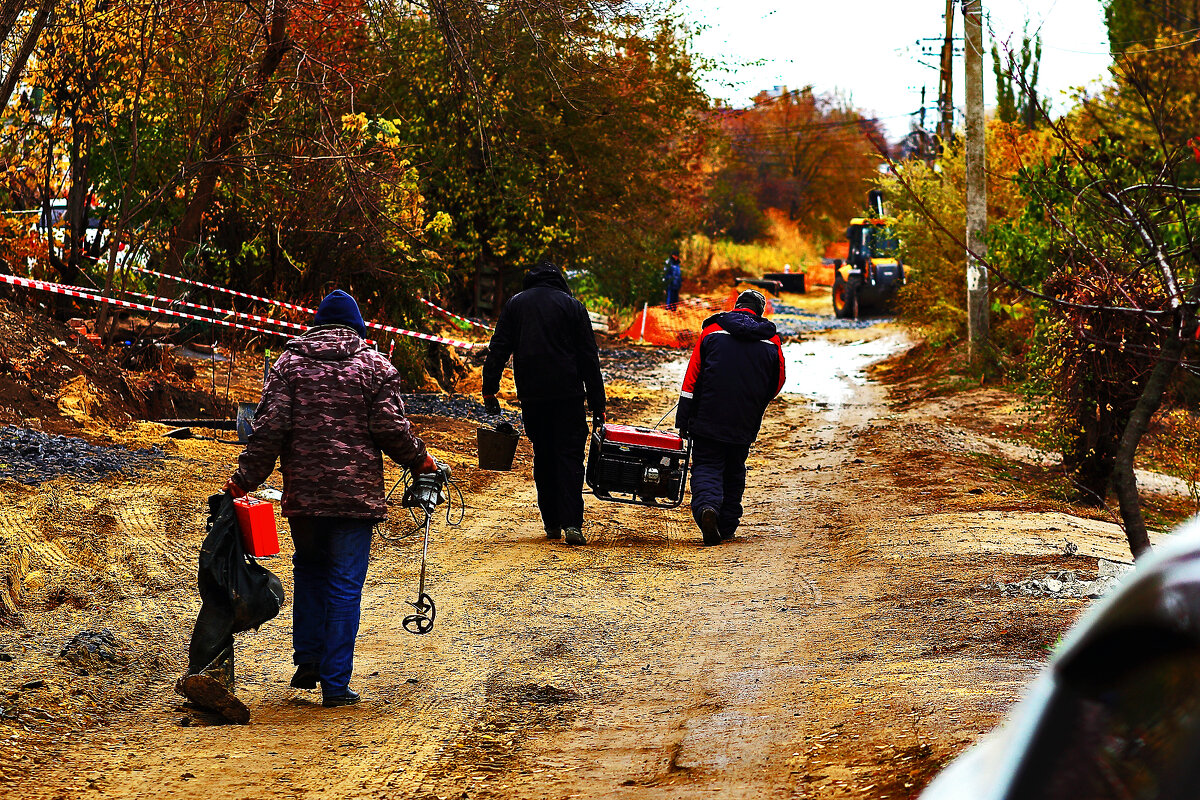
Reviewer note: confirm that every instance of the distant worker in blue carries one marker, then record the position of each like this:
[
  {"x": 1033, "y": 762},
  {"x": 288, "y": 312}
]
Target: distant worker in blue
[
  {"x": 735, "y": 370},
  {"x": 672, "y": 278}
]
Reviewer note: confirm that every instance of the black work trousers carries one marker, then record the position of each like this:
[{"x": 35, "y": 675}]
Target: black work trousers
[
  {"x": 719, "y": 480},
  {"x": 558, "y": 431}
]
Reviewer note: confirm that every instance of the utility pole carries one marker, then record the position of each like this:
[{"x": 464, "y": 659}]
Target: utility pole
[
  {"x": 978, "y": 309},
  {"x": 945, "y": 129}
]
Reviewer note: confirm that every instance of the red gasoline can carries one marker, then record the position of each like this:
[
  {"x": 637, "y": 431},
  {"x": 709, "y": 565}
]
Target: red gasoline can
[{"x": 256, "y": 518}]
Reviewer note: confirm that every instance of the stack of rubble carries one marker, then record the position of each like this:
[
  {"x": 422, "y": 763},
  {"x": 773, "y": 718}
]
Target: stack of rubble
[{"x": 1067, "y": 583}]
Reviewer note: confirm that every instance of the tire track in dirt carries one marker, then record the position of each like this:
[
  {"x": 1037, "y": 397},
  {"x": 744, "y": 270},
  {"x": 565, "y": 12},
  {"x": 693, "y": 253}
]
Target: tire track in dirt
[
  {"x": 487, "y": 662},
  {"x": 530, "y": 635},
  {"x": 794, "y": 661},
  {"x": 731, "y": 653}
]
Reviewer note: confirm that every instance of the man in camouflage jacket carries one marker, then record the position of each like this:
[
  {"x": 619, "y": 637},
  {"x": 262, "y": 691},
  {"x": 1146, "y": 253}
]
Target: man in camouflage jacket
[{"x": 330, "y": 408}]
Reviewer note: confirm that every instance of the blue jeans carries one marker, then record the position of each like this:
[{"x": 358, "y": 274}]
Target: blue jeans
[
  {"x": 330, "y": 566},
  {"x": 672, "y": 295},
  {"x": 719, "y": 481}
]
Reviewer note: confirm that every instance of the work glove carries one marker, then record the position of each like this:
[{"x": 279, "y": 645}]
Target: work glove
[
  {"x": 233, "y": 488},
  {"x": 428, "y": 489},
  {"x": 597, "y": 420},
  {"x": 491, "y": 405},
  {"x": 430, "y": 464}
]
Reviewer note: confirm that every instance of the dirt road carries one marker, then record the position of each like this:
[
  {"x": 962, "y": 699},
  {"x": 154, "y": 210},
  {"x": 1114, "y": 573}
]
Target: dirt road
[{"x": 845, "y": 644}]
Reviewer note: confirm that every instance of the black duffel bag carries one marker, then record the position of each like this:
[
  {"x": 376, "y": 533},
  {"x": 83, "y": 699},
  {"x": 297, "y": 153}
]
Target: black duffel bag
[{"x": 237, "y": 594}]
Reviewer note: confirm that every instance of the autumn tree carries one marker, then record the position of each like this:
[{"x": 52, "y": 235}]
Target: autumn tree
[
  {"x": 1016, "y": 74},
  {"x": 174, "y": 126},
  {"x": 1106, "y": 249},
  {"x": 586, "y": 145},
  {"x": 388, "y": 148},
  {"x": 808, "y": 155},
  {"x": 21, "y": 25},
  {"x": 1138, "y": 22},
  {"x": 935, "y": 299}
]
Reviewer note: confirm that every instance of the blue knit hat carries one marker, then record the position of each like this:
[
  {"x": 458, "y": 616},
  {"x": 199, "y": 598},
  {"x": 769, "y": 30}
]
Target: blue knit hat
[{"x": 339, "y": 308}]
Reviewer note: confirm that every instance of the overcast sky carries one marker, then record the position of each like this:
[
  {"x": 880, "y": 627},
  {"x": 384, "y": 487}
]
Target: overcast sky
[{"x": 869, "y": 49}]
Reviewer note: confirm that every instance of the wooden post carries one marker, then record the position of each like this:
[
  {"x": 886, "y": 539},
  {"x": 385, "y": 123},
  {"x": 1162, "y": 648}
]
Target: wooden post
[
  {"x": 978, "y": 310},
  {"x": 945, "y": 129}
]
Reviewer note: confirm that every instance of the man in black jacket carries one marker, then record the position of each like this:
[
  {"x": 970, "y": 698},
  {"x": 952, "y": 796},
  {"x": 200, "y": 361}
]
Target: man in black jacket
[
  {"x": 735, "y": 370},
  {"x": 556, "y": 365}
]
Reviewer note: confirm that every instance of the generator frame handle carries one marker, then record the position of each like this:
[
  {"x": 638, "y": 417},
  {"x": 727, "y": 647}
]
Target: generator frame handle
[{"x": 598, "y": 435}]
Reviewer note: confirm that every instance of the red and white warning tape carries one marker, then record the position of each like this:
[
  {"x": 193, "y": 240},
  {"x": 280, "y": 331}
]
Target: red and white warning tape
[
  {"x": 426, "y": 336},
  {"x": 72, "y": 291},
  {"x": 452, "y": 315},
  {"x": 239, "y": 314},
  {"x": 191, "y": 282},
  {"x": 376, "y": 325}
]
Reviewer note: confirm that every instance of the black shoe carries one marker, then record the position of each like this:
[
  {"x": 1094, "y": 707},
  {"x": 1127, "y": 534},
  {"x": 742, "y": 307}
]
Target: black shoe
[
  {"x": 553, "y": 533},
  {"x": 306, "y": 677},
  {"x": 350, "y": 698},
  {"x": 726, "y": 535},
  {"x": 708, "y": 525}
]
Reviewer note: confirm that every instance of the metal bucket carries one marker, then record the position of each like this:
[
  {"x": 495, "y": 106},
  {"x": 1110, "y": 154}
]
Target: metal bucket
[
  {"x": 245, "y": 420},
  {"x": 497, "y": 446}
]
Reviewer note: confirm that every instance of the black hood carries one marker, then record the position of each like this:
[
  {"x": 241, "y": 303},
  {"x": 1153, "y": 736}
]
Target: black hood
[
  {"x": 743, "y": 325},
  {"x": 547, "y": 275}
]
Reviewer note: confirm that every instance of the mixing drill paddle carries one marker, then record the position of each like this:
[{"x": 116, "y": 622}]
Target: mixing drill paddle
[
  {"x": 425, "y": 494},
  {"x": 422, "y": 621}
]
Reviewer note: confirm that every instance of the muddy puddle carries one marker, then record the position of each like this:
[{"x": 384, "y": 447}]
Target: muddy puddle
[
  {"x": 829, "y": 369},
  {"x": 832, "y": 370}
]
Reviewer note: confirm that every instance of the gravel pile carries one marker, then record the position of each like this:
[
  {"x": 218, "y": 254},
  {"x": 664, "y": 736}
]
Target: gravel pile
[
  {"x": 455, "y": 406},
  {"x": 799, "y": 321},
  {"x": 32, "y": 457},
  {"x": 89, "y": 651},
  {"x": 791, "y": 311},
  {"x": 1066, "y": 583},
  {"x": 634, "y": 364},
  {"x": 794, "y": 327}
]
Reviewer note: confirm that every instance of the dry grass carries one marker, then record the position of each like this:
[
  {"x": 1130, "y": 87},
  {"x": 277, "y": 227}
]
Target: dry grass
[{"x": 709, "y": 263}]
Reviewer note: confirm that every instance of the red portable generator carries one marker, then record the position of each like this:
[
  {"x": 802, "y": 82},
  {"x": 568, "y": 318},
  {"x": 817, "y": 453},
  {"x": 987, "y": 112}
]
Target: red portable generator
[{"x": 645, "y": 467}]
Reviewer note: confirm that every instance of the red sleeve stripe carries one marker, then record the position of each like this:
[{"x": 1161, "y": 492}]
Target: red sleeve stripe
[
  {"x": 693, "y": 369},
  {"x": 782, "y": 365}
]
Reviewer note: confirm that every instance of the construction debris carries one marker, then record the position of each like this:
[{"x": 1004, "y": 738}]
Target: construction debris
[
  {"x": 1068, "y": 584},
  {"x": 32, "y": 457}
]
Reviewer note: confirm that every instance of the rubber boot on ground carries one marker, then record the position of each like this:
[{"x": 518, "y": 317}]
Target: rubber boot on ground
[{"x": 212, "y": 689}]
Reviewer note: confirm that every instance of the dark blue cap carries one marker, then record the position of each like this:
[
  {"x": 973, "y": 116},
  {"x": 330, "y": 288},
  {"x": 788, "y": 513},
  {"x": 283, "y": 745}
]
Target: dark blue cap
[
  {"x": 752, "y": 301},
  {"x": 339, "y": 308}
]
